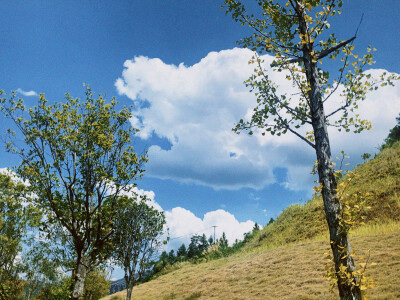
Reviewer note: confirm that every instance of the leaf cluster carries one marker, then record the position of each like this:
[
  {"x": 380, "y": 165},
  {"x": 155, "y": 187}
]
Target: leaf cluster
[
  {"x": 17, "y": 217},
  {"x": 137, "y": 236},
  {"x": 297, "y": 35}
]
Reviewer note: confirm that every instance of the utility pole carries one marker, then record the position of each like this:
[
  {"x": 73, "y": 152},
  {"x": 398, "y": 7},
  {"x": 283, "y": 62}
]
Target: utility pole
[{"x": 214, "y": 233}]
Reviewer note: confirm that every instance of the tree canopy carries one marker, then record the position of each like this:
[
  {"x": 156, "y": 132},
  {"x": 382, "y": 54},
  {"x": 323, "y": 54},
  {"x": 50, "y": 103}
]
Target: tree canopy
[
  {"x": 296, "y": 33},
  {"x": 137, "y": 236},
  {"x": 78, "y": 157}
]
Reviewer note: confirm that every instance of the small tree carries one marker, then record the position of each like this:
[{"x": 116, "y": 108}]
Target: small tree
[
  {"x": 171, "y": 257},
  {"x": 194, "y": 248},
  {"x": 366, "y": 156},
  {"x": 181, "y": 253},
  {"x": 40, "y": 268},
  {"x": 16, "y": 214},
  {"x": 96, "y": 286},
  {"x": 223, "y": 241},
  {"x": 138, "y": 228},
  {"x": 393, "y": 136},
  {"x": 74, "y": 151},
  {"x": 256, "y": 228},
  {"x": 294, "y": 31}
]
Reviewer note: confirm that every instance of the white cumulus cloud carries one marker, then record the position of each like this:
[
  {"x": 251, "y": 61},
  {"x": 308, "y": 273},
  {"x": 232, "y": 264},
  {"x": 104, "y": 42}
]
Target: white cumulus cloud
[
  {"x": 195, "y": 108},
  {"x": 182, "y": 224}
]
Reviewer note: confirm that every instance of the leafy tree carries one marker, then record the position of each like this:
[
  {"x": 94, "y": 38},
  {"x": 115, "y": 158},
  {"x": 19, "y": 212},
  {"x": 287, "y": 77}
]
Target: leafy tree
[
  {"x": 74, "y": 152},
  {"x": 40, "y": 269},
  {"x": 210, "y": 240},
  {"x": 55, "y": 290},
  {"x": 271, "y": 221},
  {"x": 171, "y": 257},
  {"x": 294, "y": 31},
  {"x": 138, "y": 228},
  {"x": 195, "y": 247},
  {"x": 57, "y": 287},
  {"x": 164, "y": 256},
  {"x": 365, "y": 156},
  {"x": 16, "y": 215},
  {"x": 181, "y": 253},
  {"x": 203, "y": 243},
  {"x": 393, "y": 136},
  {"x": 161, "y": 263},
  {"x": 256, "y": 227},
  {"x": 223, "y": 241},
  {"x": 96, "y": 286}
]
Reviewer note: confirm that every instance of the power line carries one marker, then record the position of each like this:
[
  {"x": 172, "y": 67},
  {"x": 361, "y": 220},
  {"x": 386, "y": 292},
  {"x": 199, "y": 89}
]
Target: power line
[{"x": 192, "y": 233}]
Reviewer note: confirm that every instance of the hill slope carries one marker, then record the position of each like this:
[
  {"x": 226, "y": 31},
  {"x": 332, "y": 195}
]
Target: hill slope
[
  {"x": 285, "y": 259},
  {"x": 379, "y": 177},
  {"x": 292, "y": 272}
]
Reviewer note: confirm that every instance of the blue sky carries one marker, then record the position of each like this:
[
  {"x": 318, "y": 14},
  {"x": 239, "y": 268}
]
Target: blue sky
[{"x": 178, "y": 59}]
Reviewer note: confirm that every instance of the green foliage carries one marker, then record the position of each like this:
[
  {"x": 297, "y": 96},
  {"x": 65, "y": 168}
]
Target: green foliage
[
  {"x": 16, "y": 216},
  {"x": 78, "y": 158},
  {"x": 181, "y": 253},
  {"x": 199, "y": 250},
  {"x": 138, "y": 229},
  {"x": 40, "y": 268},
  {"x": 96, "y": 285},
  {"x": 223, "y": 241},
  {"x": 198, "y": 244},
  {"x": 55, "y": 290},
  {"x": 365, "y": 156},
  {"x": 292, "y": 33},
  {"x": 393, "y": 136},
  {"x": 297, "y": 46}
]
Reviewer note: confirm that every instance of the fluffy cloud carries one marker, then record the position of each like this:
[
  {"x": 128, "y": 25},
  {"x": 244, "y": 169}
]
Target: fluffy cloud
[
  {"x": 26, "y": 94},
  {"x": 195, "y": 108},
  {"x": 182, "y": 224}
]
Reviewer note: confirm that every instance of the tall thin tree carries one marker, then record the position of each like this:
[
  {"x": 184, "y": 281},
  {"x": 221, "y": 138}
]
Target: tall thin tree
[{"x": 295, "y": 32}]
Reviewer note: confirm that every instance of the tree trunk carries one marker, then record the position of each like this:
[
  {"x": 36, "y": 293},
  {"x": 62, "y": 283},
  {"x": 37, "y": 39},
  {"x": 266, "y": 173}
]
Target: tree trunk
[
  {"x": 340, "y": 244},
  {"x": 129, "y": 286},
  {"x": 339, "y": 240},
  {"x": 129, "y": 293},
  {"x": 80, "y": 276}
]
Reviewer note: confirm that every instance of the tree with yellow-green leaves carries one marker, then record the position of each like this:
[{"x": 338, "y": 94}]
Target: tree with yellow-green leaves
[
  {"x": 16, "y": 216},
  {"x": 78, "y": 157},
  {"x": 297, "y": 33}
]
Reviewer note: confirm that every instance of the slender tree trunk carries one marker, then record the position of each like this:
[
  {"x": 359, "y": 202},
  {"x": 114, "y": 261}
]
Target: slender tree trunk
[
  {"x": 129, "y": 286},
  {"x": 129, "y": 293},
  {"x": 339, "y": 240},
  {"x": 80, "y": 276},
  {"x": 340, "y": 244}
]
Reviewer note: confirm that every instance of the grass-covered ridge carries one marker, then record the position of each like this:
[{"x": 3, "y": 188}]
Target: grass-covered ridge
[
  {"x": 380, "y": 177},
  {"x": 285, "y": 259}
]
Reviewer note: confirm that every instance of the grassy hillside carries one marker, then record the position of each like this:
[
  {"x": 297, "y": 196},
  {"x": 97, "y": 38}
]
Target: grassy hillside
[
  {"x": 285, "y": 259},
  {"x": 292, "y": 272},
  {"x": 380, "y": 177}
]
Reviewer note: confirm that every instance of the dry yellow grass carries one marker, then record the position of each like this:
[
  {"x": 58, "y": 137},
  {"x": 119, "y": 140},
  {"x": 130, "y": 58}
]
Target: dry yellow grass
[
  {"x": 295, "y": 271},
  {"x": 281, "y": 262}
]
